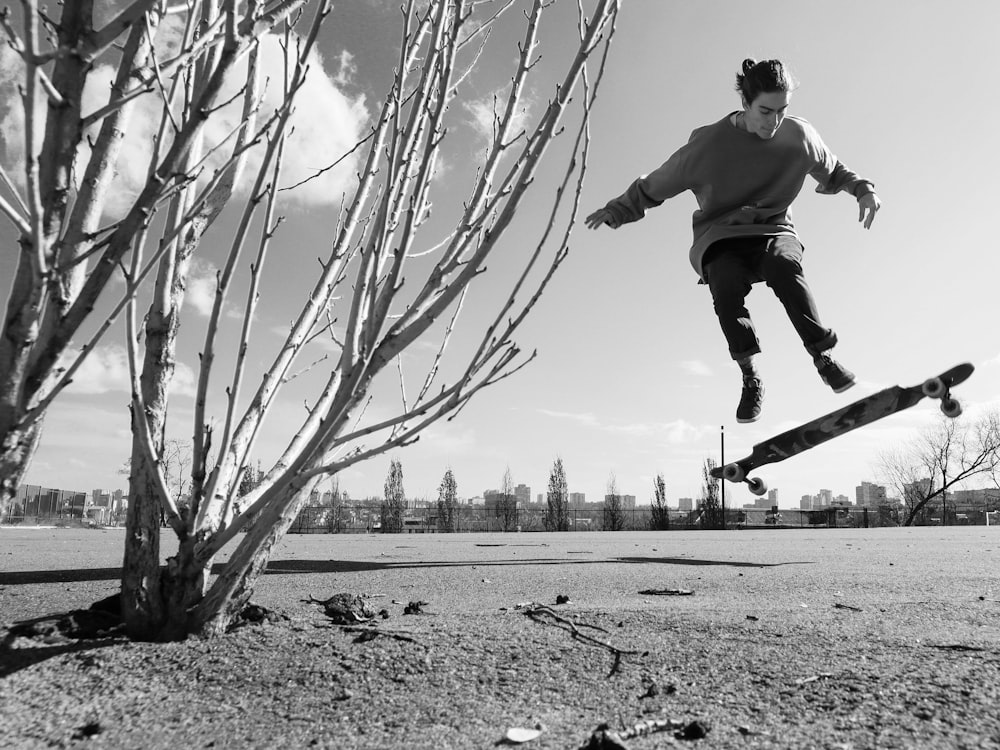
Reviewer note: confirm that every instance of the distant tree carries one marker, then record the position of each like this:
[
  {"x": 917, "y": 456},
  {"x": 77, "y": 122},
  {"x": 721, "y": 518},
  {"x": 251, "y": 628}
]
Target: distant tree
[
  {"x": 614, "y": 516},
  {"x": 660, "y": 515},
  {"x": 447, "y": 503},
  {"x": 711, "y": 509},
  {"x": 251, "y": 479},
  {"x": 394, "y": 500},
  {"x": 557, "y": 499},
  {"x": 941, "y": 457},
  {"x": 506, "y": 509},
  {"x": 175, "y": 462},
  {"x": 332, "y": 502}
]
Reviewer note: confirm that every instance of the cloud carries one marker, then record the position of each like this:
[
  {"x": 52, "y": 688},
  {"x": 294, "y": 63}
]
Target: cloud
[
  {"x": 678, "y": 432},
  {"x": 201, "y": 286},
  {"x": 584, "y": 418},
  {"x": 325, "y": 125},
  {"x": 105, "y": 370},
  {"x": 484, "y": 113},
  {"x": 696, "y": 367}
]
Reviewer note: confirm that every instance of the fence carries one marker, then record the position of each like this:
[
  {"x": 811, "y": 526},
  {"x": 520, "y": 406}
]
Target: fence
[
  {"x": 363, "y": 519},
  {"x": 325, "y": 519}
]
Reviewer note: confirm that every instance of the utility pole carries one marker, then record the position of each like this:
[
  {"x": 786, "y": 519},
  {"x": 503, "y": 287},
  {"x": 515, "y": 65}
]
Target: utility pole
[{"x": 722, "y": 462}]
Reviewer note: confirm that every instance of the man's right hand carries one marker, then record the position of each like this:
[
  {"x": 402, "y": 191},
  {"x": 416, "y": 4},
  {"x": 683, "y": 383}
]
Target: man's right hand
[{"x": 599, "y": 217}]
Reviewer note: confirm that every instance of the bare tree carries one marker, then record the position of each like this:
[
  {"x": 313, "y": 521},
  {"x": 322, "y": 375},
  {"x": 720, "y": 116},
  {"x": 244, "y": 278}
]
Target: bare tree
[
  {"x": 557, "y": 499},
  {"x": 447, "y": 503},
  {"x": 659, "y": 512},
  {"x": 506, "y": 507},
  {"x": 394, "y": 501},
  {"x": 73, "y": 238},
  {"x": 711, "y": 509},
  {"x": 941, "y": 458},
  {"x": 175, "y": 461},
  {"x": 357, "y": 305},
  {"x": 614, "y": 516}
]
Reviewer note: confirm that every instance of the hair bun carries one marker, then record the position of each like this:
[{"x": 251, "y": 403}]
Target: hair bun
[{"x": 748, "y": 65}]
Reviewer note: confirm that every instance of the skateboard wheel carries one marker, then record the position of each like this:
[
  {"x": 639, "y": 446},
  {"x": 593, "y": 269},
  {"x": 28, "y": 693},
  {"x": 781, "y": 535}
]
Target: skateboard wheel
[
  {"x": 757, "y": 485},
  {"x": 950, "y": 407},
  {"x": 733, "y": 472},
  {"x": 933, "y": 388}
]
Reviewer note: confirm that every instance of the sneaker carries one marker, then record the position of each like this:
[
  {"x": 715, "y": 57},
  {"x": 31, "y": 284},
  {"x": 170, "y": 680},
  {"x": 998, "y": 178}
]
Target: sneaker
[
  {"x": 750, "y": 401},
  {"x": 833, "y": 373}
]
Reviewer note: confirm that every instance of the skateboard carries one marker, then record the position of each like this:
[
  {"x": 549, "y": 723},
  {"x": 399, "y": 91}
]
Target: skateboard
[{"x": 862, "y": 412}]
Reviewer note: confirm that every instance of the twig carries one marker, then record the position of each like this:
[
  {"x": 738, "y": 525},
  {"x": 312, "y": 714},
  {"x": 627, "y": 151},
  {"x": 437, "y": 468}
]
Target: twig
[{"x": 537, "y": 612}]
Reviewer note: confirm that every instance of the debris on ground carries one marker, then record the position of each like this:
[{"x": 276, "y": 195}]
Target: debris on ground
[
  {"x": 696, "y": 730},
  {"x": 255, "y": 614},
  {"x": 562, "y": 599},
  {"x": 538, "y": 613},
  {"x": 604, "y": 738},
  {"x": 653, "y": 690},
  {"x": 838, "y": 605},
  {"x": 666, "y": 592},
  {"x": 345, "y": 608},
  {"x": 520, "y": 735},
  {"x": 814, "y": 678},
  {"x": 415, "y": 608}
]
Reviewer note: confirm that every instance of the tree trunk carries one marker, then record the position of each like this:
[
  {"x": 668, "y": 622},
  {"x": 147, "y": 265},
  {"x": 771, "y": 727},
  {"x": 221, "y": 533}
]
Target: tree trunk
[{"x": 15, "y": 456}]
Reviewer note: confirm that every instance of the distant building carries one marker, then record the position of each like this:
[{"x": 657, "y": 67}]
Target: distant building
[
  {"x": 577, "y": 498},
  {"x": 806, "y": 503},
  {"x": 627, "y": 501},
  {"x": 987, "y": 499},
  {"x": 523, "y": 494},
  {"x": 870, "y": 495},
  {"x": 685, "y": 503}
]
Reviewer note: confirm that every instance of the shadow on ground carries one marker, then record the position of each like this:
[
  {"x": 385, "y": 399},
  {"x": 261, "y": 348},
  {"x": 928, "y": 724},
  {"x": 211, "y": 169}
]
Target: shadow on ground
[{"x": 284, "y": 567}]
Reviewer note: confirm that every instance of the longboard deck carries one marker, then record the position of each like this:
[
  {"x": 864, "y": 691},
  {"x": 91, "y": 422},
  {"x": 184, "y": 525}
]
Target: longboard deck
[{"x": 841, "y": 421}]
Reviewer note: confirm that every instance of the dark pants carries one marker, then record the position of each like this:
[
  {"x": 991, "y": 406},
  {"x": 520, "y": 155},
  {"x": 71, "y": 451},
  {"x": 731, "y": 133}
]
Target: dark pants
[{"x": 731, "y": 266}]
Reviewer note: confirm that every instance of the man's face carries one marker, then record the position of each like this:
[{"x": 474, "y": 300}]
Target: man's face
[{"x": 764, "y": 116}]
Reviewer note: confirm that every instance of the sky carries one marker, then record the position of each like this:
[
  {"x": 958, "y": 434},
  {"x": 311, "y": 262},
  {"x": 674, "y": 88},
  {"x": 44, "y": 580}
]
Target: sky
[{"x": 632, "y": 376}]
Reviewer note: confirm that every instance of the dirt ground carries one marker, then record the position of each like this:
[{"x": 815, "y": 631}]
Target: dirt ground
[{"x": 826, "y": 638}]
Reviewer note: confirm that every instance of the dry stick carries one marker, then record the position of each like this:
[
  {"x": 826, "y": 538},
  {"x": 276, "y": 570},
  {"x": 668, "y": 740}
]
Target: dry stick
[
  {"x": 84, "y": 217},
  {"x": 244, "y": 343},
  {"x": 139, "y": 408},
  {"x": 245, "y": 433},
  {"x": 433, "y": 371},
  {"x": 101, "y": 40},
  {"x": 186, "y": 58},
  {"x": 247, "y": 120},
  {"x": 537, "y": 611},
  {"x": 275, "y": 146},
  {"x": 31, "y": 127},
  {"x": 136, "y": 281}
]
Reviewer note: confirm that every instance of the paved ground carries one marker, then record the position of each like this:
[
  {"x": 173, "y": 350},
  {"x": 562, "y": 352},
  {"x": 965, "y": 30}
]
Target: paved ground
[{"x": 790, "y": 638}]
